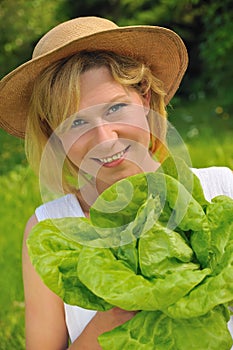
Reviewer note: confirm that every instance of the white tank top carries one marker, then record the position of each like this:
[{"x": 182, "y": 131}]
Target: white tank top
[{"x": 214, "y": 180}]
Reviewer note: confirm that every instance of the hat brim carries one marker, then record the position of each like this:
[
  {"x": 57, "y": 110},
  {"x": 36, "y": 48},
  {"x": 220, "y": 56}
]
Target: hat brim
[{"x": 160, "y": 48}]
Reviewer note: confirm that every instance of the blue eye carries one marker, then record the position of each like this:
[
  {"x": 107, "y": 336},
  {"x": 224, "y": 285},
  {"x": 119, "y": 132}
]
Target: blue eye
[
  {"x": 116, "y": 107},
  {"x": 78, "y": 122}
]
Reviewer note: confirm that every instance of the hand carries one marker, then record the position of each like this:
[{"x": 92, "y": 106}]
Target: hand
[
  {"x": 102, "y": 322},
  {"x": 107, "y": 320}
]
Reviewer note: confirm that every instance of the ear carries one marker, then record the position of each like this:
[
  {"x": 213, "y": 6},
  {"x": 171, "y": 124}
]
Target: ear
[{"x": 146, "y": 101}]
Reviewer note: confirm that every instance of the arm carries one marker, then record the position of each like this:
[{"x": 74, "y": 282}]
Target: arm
[
  {"x": 44, "y": 312},
  {"x": 45, "y": 318}
]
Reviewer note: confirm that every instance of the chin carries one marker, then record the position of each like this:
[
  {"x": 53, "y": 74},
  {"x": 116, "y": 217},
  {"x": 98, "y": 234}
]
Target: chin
[{"x": 124, "y": 174}]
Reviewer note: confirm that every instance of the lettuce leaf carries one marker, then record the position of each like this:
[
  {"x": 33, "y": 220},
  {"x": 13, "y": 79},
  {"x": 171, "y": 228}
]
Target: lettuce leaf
[
  {"x": 55, "y": 258},
  {"x": 120, "y": 286},
  {"x": 154, "y": 330}
]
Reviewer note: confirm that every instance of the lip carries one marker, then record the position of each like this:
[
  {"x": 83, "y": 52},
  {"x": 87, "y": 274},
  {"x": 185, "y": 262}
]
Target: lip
[{"x": 114, "y": 159}]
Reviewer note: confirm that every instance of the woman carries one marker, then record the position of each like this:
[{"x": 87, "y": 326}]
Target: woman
[{"x": 91, "y": 103}]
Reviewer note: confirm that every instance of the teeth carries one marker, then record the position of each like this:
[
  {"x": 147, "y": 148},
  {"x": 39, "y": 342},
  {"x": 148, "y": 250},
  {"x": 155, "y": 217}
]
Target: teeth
[{"x": 111, "y": 159}]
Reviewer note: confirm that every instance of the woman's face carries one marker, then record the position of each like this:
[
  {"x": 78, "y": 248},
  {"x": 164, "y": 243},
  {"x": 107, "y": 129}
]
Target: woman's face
[{"x": 109, "y": 135}]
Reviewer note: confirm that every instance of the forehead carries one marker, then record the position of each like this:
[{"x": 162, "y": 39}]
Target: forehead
[{"x": 97, "y": 86}]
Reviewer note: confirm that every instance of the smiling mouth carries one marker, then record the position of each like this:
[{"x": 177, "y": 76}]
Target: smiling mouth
[{"x": 115, "y": 157}]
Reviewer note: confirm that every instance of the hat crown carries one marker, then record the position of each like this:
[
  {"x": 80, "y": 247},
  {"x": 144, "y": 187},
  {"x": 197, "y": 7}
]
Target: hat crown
[{"x": 69, "y": 31}]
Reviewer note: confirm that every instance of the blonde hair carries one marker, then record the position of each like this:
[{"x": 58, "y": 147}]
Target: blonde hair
[{"x": 55, "y": 96}]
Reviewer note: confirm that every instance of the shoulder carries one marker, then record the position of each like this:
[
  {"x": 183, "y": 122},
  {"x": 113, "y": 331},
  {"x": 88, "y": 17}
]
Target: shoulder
[
  {"x": 29, "y": 225},
  {"x": 215, "y": 181},
  {"x": 64, "y": 206}
]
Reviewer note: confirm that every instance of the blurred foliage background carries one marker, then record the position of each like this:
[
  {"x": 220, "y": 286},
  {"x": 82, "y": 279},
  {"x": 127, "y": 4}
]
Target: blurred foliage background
[{"x": 202, "y": 110}]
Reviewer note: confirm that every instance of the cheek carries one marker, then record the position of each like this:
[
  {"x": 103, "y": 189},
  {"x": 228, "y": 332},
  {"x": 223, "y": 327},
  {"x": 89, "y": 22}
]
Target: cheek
[
  {"x": 139, "y": 134},
  {"x": 68, "y": 142},
  {"x": 74, "y": 148},
  {"x": 78, "y": 151},
  {"x": 141, "y": 127}
]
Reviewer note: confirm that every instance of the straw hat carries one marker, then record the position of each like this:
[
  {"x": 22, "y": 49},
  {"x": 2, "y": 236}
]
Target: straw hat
[{"x": 160, "y": 48}]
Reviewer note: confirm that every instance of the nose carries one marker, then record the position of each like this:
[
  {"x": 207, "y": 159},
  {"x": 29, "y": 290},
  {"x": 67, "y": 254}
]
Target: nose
[{"x": 104, "y": 132}]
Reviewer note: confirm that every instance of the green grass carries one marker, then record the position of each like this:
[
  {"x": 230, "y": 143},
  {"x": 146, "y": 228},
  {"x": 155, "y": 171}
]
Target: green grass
[
  {"x": 208, "y": 136},
  {"x": 19, "y": 196},
  {"x": 206, "y": 129},
  {"x": 12, "y": 152}
]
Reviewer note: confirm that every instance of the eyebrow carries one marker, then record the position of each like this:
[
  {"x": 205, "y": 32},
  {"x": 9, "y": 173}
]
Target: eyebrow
[{"x": 119, "y": 98}]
